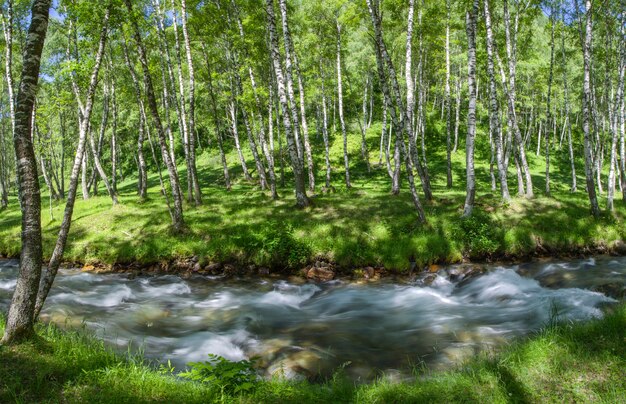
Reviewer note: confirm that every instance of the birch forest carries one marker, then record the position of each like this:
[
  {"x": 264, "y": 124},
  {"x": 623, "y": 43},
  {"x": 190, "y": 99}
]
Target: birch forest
[
  {"x": 235, "y": 177},
  {"x": 137, "y": 89}
]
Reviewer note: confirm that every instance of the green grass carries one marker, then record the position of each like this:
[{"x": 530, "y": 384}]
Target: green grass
[
  {"x": 361, "y": 226},
  {"x": 562, "y": 363}
]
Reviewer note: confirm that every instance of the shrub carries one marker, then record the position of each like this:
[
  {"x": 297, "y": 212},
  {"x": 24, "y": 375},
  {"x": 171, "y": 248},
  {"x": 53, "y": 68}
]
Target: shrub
[
  {"x": 230, "y": 377},
  {"x": 479, "y": 234},
  {"x": 278, "y": 246}
]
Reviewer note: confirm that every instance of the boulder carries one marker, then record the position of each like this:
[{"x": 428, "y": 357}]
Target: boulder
[
  {"x": 214, "y": 267},
  {"x": 434, "y": 268},
  {"x": 619, "y": 247},
  {"x": 229, "y": 270},
  {"x": 320, "y": 274},
  {"x": 614, "y": 290}
]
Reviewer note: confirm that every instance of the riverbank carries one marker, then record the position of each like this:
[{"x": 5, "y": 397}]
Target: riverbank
[
  {"x": 364, "y": 226},
  {"x": 245, "y": 232},
  {"x": 583, "y": 362}
]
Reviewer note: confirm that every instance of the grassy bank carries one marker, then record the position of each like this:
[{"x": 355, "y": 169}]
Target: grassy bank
[
  {"x": 565, "y": 363},
  {"x": 361, "y": 226}
]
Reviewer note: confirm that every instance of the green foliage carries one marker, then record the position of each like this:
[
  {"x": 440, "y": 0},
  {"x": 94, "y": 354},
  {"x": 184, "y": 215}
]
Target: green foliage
[
  {"x": 480, "y": 234},
  {"x": 277, "y": 246},
  {"x": 231, "y": 377}
]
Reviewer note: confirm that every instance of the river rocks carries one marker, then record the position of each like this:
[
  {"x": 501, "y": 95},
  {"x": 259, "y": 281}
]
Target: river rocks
[
  {"x": 464, "y": 273},
  {"x": 213, "y": 268},
  {"x": 434, "y": 268},
  {"x": 619, "y": 247},
  {"x": 428, "y": 279},
  {"x": 366, "y": 274},
  {"x": 458, "y": 354},
  {"x": 320, "y": 274},
  {"x": 302, "y": 364},
  {"x": 614, "y": 290},
  {"x": 319, "y": 271},
  {"x": 556, "y": 280},
  {"x": 229, "y": 270}
]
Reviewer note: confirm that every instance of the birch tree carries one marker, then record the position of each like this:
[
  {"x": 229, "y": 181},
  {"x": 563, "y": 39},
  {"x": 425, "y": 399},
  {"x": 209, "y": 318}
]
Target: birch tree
[{"x": 21, "y": 316}]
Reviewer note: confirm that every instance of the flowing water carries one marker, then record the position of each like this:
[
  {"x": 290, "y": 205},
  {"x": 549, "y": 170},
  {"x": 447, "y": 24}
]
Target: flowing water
[{"x": 309, "y": 329}]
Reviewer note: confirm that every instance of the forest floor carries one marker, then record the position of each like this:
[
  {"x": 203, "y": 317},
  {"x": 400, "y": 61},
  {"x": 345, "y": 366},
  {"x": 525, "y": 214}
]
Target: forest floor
[
  {"x": 583, "y": 362},
  {"x": 352, "y": 228}
]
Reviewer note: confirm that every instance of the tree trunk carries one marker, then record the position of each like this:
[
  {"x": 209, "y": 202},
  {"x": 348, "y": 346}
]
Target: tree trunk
[
  {"x": 363, "y": 127},
  {"x": 457, "y": 118},
  {"x": 325, "y": 132},
  {"x": 114, "y": 144},
  {"x": 169, "y": 90},
  {"x": 494, "y": 113},
  {"x": 7, "y": 25},
  {"x": 216, "y": 119},
  {"x": 340, "y": 107},
  {"x": 178, "y": 221},
  {"x": 549, "y": 135},
  {"x": 617, "y": 116},
  {"x": 471, "y": 110},
  {"x": 289, "y": 58},
  {"x": 305, "y": 127},
  {"x": 511, "y": 50},
  {"x": 95, "y": 152},
  {"x": 591, "y": 187},
  {"x": 447, "y": 101},
  {"x": 400, "y": 124},
  {"x": 262, "y": 136},
  {"x": 191, "y": 127},
  {"x": 57, "y": 254},
  {"x": 21, "y": 316},
  {"x": 301, "y": 198},
  {"x": 233, "y": 126},
  {"x": 142, "y": 182}
]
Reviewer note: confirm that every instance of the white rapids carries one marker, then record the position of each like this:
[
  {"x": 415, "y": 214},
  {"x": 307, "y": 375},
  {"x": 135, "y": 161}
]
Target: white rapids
[{"x": 308, "y": 330}]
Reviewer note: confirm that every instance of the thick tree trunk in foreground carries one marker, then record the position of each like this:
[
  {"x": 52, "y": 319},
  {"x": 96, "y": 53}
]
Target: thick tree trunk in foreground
[
  {"x": 471, "y": 113},
  {"x": 21, "y": 316}
]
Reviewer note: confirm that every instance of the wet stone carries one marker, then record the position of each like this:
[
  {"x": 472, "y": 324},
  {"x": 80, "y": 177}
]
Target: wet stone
[
  {"x": 320, "y": 274},
  {"x": 614, "y": 290}
]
